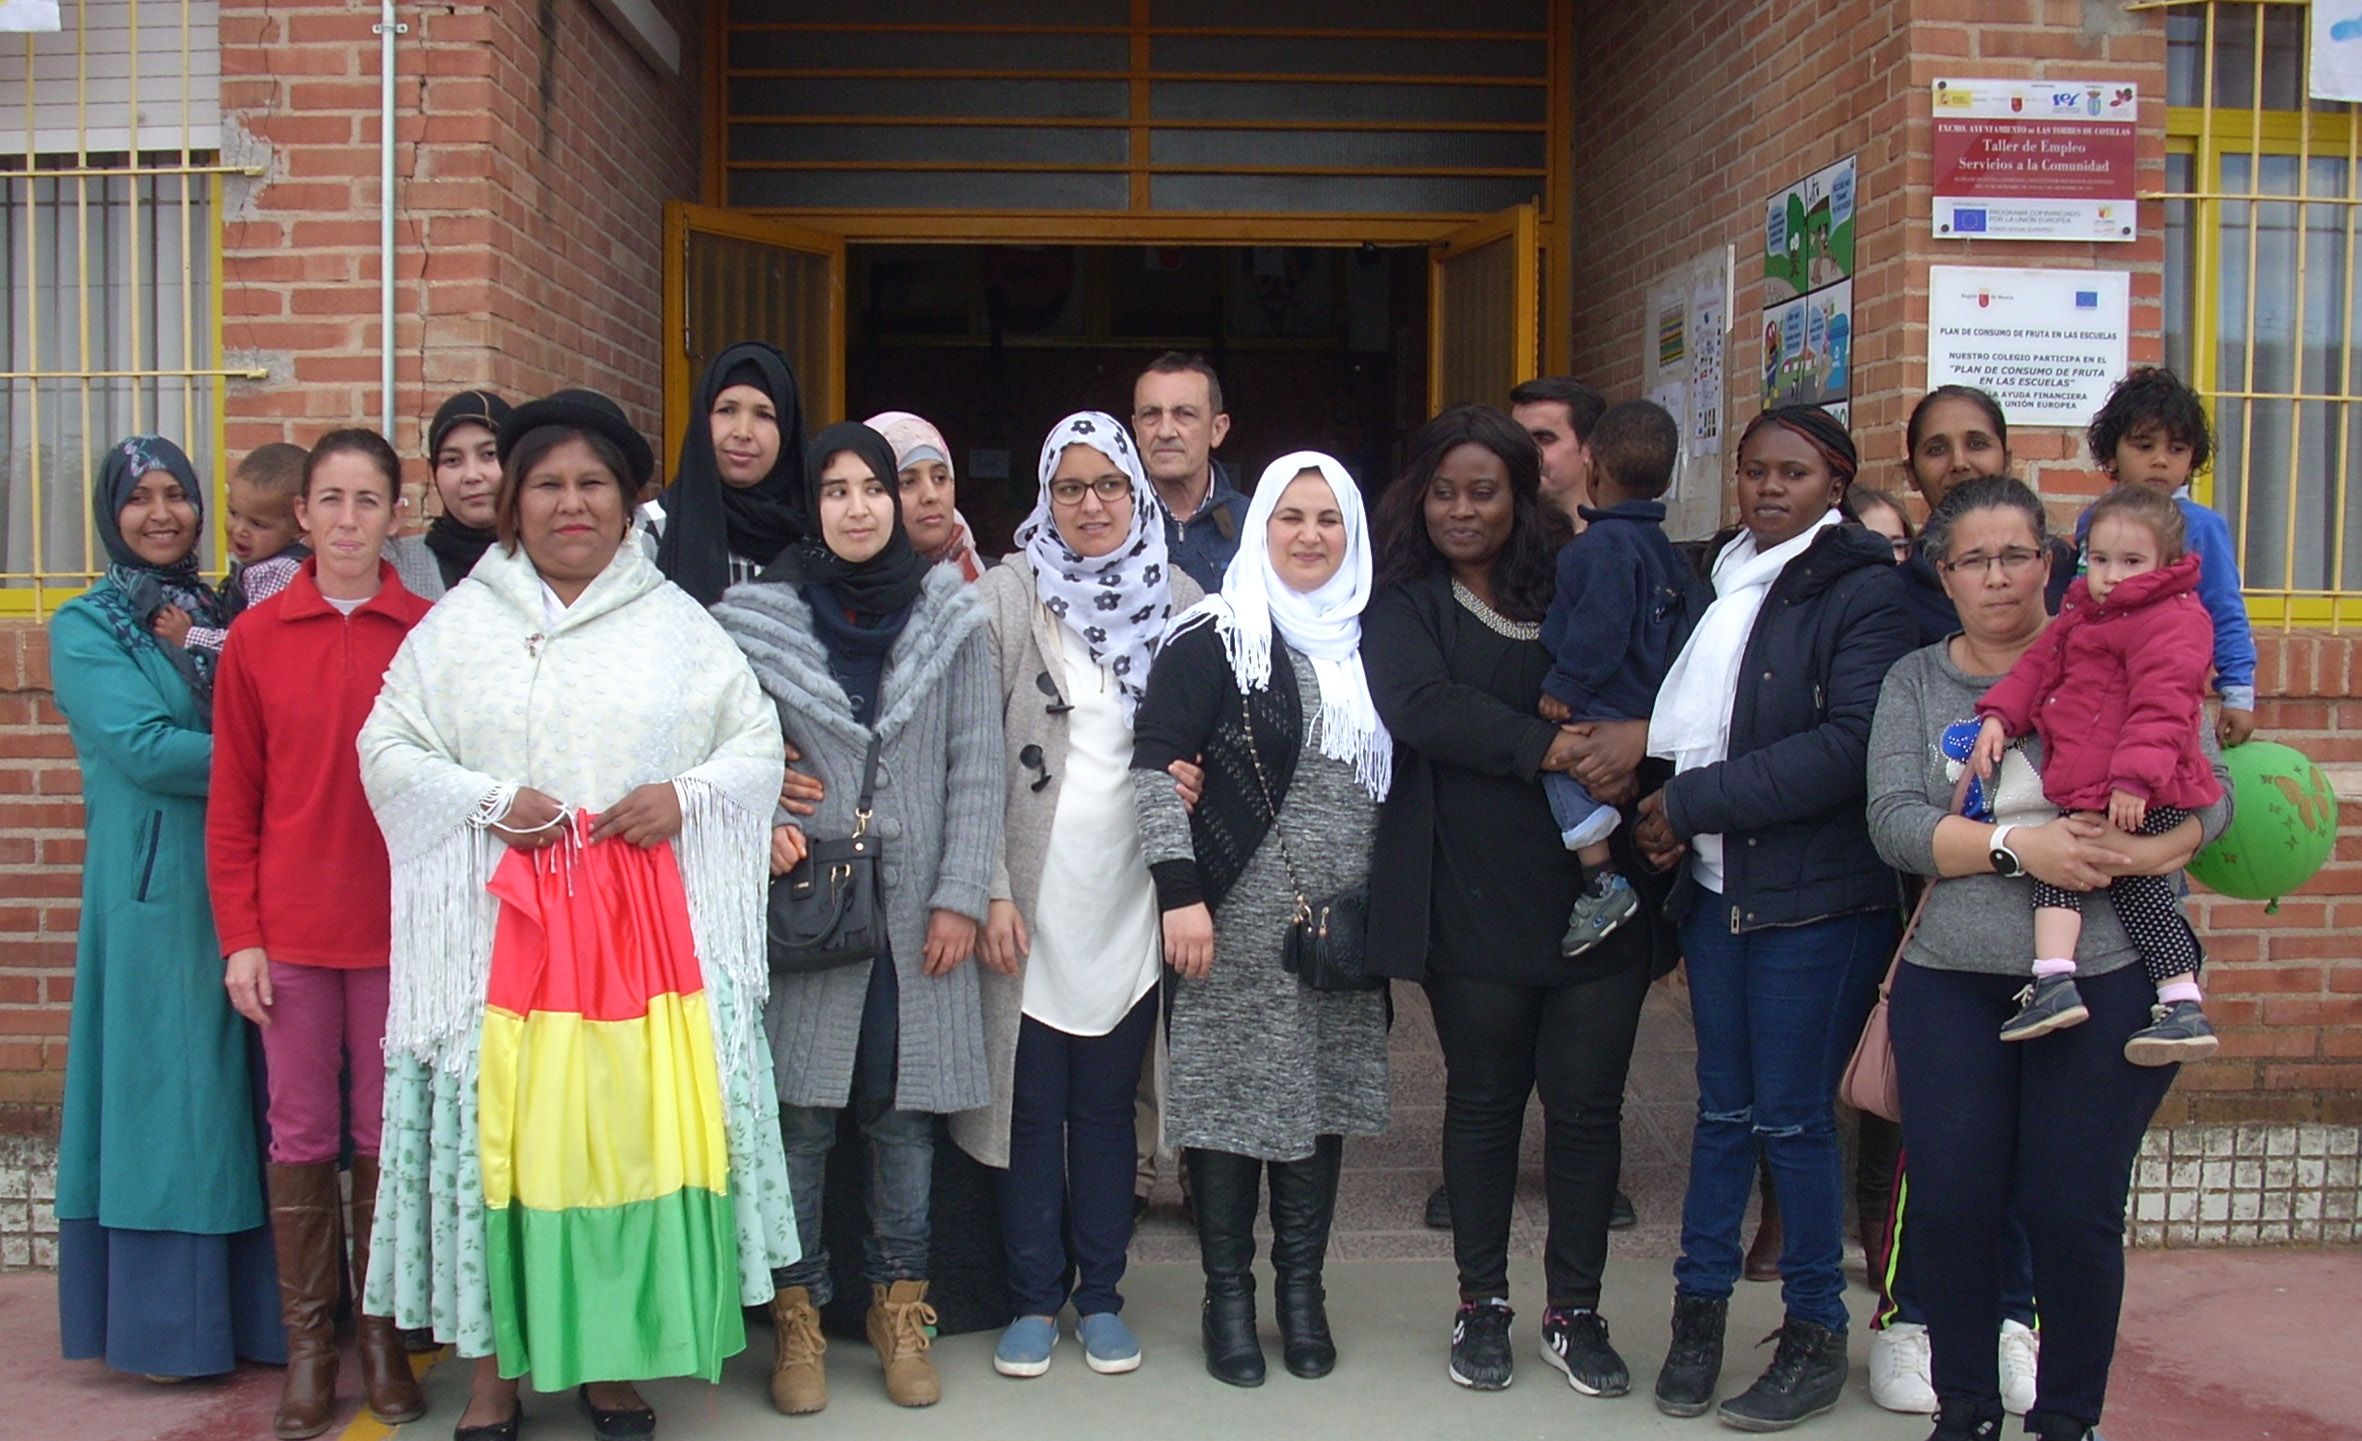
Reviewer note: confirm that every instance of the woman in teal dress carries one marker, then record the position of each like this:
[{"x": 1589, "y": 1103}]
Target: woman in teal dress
[{"x": 164, "y": 1260}]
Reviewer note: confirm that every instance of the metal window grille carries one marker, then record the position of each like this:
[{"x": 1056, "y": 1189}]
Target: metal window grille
[
  {"x": 110, "y": 231},
  {"x": 2263, "y": 185}
]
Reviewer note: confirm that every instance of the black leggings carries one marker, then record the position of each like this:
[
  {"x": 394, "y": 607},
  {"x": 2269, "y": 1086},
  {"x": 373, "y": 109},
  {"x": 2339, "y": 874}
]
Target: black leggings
[
  {"x": 1499, "y": 1042},
  {"x": 2046, "y": 1130},
  {"x": 2149, "y": 906}
]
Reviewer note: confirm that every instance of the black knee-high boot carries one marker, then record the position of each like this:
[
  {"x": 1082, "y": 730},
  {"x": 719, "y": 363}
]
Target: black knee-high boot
[
  {"x": 1223, "y": 1185},
  {"x": 1303, "y": 1203}
]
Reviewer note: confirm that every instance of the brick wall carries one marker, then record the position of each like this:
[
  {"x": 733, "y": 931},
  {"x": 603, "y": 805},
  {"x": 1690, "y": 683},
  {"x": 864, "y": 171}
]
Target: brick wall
[{"x": 534, "y": 153}]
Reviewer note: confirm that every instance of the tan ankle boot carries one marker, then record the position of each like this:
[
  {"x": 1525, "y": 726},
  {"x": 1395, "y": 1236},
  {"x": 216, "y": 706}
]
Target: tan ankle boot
[
  {"x": 304, "y": 1204},
  {"x": 799, "y": 1379},
  {"x": 391, "y": 1391},
  {"x": 898, "y": 1318}
]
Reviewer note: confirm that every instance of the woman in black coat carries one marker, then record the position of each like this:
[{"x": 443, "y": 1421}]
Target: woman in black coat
[
  {"x": 1470, "y": 883},
  {"x": 1787, "y": 914}
]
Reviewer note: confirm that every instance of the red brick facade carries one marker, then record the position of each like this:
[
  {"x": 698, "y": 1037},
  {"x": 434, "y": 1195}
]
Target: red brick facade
[{"x": 536, "y": 149}]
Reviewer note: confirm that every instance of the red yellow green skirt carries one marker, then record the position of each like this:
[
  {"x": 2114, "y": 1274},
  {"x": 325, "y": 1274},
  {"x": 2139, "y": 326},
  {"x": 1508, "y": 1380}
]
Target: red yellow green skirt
[{"x": 612, "y": 1244}]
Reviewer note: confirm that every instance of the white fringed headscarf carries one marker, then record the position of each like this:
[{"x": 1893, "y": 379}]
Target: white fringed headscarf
[{"x": 1324, "y": 624}]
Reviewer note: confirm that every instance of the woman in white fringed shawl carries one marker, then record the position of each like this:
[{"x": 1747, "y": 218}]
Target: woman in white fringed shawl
[{"x": 573, "y": 676}]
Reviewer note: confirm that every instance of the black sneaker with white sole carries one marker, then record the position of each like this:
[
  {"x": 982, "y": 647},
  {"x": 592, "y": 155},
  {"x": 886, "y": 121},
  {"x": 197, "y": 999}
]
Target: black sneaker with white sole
[
  {"x": 2051, "y": 1003},
  {"x": 1480, "y": 1346},
  {"x": 1576, "y": 1343}
]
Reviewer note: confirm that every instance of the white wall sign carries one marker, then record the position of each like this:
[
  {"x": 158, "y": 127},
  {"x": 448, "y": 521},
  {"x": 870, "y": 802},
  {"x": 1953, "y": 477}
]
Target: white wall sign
[
  {"x": 1685, "y": 338},
  {"x": 2337, "y": 50},
  {"x": 2047, "y": 344}
]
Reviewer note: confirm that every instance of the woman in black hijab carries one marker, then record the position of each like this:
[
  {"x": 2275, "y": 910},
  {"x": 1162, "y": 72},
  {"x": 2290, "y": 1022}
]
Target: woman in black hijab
[
  {"x": 737, "y": 499},
  {"x": 859, "y": 640},
  {"x": 462, "y": 452}
]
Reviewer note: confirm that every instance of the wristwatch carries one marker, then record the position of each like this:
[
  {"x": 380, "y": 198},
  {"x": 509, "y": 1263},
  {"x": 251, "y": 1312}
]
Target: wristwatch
[{"x": 2005, "y": 861}]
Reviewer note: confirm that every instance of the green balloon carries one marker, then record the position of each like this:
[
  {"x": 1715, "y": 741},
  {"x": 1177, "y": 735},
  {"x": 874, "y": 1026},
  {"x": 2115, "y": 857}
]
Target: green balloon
[{"x": 2283, "y": 825}]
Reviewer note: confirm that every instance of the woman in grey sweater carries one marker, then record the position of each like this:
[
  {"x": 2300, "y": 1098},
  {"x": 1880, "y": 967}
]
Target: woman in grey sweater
[
  {"x": 855, "y": 636},
  {"x": 1265, "y": 681},
  {"x": 2044, "y": 1130}
]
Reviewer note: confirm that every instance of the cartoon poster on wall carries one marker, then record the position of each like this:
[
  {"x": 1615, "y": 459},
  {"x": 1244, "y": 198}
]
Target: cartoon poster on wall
[
  {"x": 1683, "y": 346},
  {"x": 1808, "y": 269},
  {"x": 1808, "y": 234}
]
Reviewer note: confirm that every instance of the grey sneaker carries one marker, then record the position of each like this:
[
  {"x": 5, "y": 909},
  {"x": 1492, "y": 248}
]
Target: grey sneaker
[
  {"x": 2175, "y": 1033},
  {"x": 1607, "y": 902},
  {"x": 2050, "y": 1004}
]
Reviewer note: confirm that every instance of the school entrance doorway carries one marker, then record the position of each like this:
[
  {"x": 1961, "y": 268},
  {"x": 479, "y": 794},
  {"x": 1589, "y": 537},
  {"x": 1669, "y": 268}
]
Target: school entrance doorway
[{"x": 1338, "y": 348}]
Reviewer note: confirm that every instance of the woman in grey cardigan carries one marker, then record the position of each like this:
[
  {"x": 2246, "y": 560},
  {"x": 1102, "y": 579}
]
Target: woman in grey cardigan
[
  {"x": 460, "y": 451},
  {"x": 1265, "y": 682},
  {"x": 1071, "y": 948},
  {"x": 853, "y": 634},
  {"x": 2043, "y": 1130}
]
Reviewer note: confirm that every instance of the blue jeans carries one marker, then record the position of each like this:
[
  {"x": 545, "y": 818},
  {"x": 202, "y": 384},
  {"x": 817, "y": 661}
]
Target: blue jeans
[
  {"x": 1581, "y": 819},
  {"x": 1778, "y": 1012},
  {"x": 1068, "y": 1189},
  {"x": 901, "y": 1169}
]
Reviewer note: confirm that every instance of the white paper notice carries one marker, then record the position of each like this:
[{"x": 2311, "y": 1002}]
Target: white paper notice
[
  {"x": 2047, "y": 344},
  {"x": 28, "y": 15},
  {"x": 2337, "y": 50}
]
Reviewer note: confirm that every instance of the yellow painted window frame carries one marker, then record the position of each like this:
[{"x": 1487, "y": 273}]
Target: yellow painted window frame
[{"x": 2206, "y": 134}]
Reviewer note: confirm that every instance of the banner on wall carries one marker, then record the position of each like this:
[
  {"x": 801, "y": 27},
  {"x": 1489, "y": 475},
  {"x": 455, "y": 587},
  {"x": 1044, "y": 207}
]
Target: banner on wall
[
  {"x": 2036, "y": 159},
  {"x": 2337, "y": 50},
  {"x": 2047, "y": 344}
]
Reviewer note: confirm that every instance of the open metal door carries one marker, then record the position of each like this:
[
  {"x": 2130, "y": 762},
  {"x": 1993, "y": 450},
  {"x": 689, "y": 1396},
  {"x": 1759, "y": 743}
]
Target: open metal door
[
  {"x": 730, "y": 276},
  {"x": 1484, "y": 310}
]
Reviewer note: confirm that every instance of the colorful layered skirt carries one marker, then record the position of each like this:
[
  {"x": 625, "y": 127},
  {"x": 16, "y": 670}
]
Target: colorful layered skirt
[{"x": 612, "y": 1250}]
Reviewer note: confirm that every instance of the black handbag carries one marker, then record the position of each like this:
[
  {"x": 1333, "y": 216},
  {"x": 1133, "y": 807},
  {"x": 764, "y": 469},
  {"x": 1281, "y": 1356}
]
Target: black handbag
[
  {"x": 1327, "y": 948},
  {"x": 828, "y": 912}
]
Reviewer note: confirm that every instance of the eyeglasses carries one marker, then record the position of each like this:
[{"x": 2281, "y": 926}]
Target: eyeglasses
[
  {"x": 1902, "y": 545},
  {"x": 1109, "y": 489},
  {"x": 2012, "y": 561}
]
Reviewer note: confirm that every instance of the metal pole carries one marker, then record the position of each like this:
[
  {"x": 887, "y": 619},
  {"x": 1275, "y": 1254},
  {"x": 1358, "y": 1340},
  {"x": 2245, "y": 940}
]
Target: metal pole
[{"x": 386, "y": 28}]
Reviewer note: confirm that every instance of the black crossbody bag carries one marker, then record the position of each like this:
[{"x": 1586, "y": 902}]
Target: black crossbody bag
[
  {"x": 828, "y": 911},
  {"x": 1328, "y": 940}
]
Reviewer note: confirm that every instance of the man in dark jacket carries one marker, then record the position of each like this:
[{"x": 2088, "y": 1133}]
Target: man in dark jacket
[{"x": 1178, "y": 419}]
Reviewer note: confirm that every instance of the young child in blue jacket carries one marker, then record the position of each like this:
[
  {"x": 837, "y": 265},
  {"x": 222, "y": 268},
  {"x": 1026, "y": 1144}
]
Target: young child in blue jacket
[
  {"x": 1619, "y": 616},
  {"x": 2153, "y": 431}
]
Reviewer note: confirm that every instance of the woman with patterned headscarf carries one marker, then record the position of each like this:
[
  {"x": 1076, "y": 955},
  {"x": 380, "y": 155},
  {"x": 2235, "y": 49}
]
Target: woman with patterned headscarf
[
  {"x": 164, "y": 1260},
  {"x": 1787, "y": 914}
]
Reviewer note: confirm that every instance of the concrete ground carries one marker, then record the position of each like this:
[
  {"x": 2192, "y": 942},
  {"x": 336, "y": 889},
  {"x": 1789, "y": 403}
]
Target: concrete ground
[{"x": 2216, "y": 1345}]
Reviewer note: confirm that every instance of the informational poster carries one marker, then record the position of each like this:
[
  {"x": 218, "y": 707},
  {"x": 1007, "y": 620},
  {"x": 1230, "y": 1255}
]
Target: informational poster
[
  {"x": 2337, "y": 50},
  {"x": 2047, "y": 344},
  {"x": 2036, "y": 159},
  {"x": 1808, "y": 269},
  {"x": 18, "y": 15},
  {"x": 1683, "y": 348}
]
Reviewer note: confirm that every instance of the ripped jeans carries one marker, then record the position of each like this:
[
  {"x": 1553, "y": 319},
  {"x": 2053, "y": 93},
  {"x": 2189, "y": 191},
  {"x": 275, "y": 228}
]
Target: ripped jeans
[{"x": 1777, "y": 1013}]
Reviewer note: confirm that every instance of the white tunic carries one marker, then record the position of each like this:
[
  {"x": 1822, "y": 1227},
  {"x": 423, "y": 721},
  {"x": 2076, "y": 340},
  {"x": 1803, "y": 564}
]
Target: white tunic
[{"x": 1096, "y": 945}]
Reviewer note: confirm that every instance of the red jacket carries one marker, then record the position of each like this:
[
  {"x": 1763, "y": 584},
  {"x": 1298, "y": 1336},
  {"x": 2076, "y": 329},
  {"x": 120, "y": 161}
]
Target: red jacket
[
  {"x": 292, "y": 852},
  {"x": 2114, "y": 690}
]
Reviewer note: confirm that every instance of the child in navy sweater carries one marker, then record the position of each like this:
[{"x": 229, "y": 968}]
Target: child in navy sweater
[
  {"x": 1615, "y": 624},
  {"x": 2153, "y": 432}
]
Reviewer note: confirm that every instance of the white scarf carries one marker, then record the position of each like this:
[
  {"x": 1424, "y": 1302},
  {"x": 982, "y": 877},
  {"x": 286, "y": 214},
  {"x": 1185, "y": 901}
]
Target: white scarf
[
  {"x": 1324, "y": 624},
  {"x": 1691, "y": 723},
  {"x": 1116, "y": 604}
]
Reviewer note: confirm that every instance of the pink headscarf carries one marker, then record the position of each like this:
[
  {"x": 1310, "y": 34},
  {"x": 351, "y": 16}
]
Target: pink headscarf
[{"x": 915, "y": 440}]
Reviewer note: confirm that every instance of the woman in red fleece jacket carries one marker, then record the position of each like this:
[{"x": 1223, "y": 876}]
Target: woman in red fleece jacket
[
  {"x": 302, "y": 899},
  {"x": 2115, "y": 689}
]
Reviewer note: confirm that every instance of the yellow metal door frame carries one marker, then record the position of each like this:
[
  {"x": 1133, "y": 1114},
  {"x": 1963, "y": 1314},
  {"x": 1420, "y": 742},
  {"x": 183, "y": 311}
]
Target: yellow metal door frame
[{"x": 1519, "y": 228}]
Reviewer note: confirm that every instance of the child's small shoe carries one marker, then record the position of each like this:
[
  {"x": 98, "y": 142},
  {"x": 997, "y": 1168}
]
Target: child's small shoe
[
  {"x": 1607, "y": 902},
  {"x": 2050, "y": 1004},
  {"x": 2176, "y": 1033}
]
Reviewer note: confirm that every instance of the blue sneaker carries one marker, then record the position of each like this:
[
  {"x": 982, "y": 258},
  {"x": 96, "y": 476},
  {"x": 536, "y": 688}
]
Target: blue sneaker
[
  {"x": 1025, "y": 1346},
  {"x": 1109, "y": 1347}
]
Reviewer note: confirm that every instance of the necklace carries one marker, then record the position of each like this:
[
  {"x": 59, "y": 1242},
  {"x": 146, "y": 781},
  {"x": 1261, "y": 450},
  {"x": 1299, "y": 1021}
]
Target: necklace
[{"x": 1492, "y": 619}]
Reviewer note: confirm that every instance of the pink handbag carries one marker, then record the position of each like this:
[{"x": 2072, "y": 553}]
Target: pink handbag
[{"x": 1869, "y": 1083}]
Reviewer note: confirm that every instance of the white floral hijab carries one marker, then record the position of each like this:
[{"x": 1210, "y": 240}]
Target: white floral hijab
[{"x": 1115, "y": 604}]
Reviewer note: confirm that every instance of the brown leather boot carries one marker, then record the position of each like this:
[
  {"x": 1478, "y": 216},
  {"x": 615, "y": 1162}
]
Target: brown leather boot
[
  {"x": 898, "y": 1318},
  {"x": 386, "y": 1381},
  {"x": 303, "y": 1230},
  {"x": 799, "y": 1379}
]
